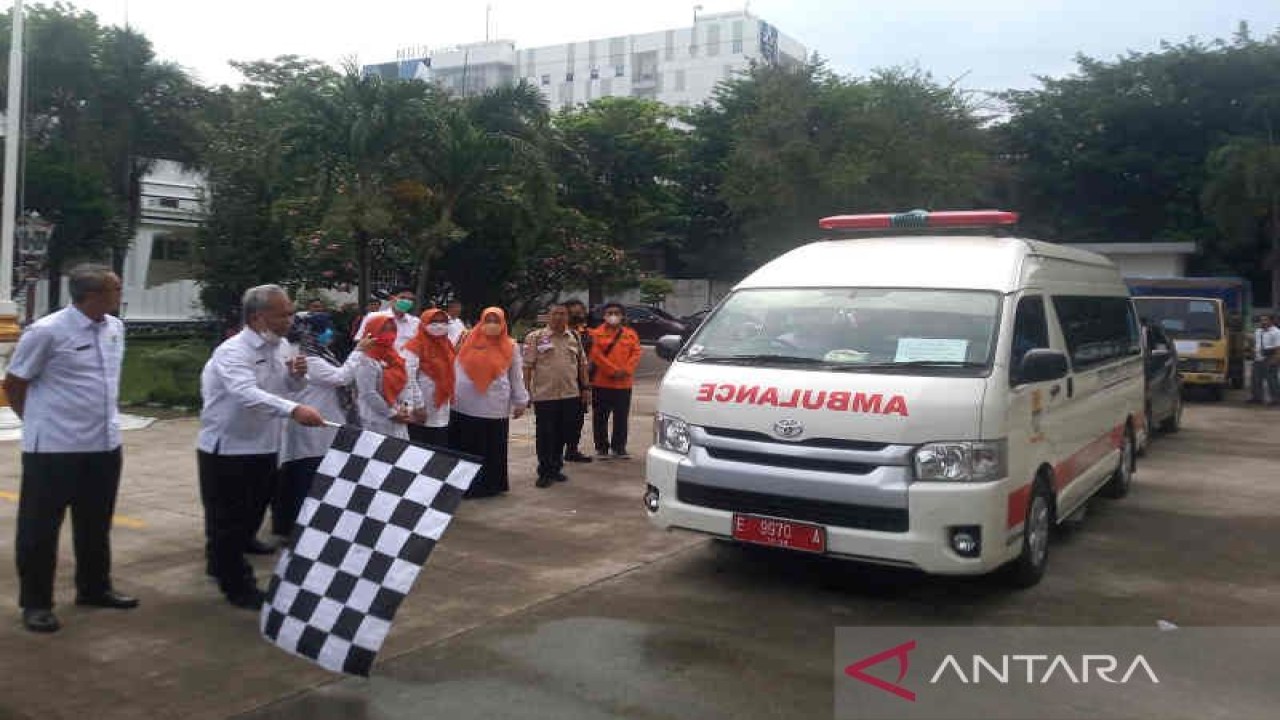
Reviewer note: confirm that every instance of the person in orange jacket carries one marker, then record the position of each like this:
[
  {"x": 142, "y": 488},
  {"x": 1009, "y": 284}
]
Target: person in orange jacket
[{"x": 615, "y": 354}]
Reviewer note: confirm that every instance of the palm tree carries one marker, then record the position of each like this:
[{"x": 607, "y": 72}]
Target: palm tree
[
  {"x": 350, "y": 139},
  {"x": 473, "y": 147}
]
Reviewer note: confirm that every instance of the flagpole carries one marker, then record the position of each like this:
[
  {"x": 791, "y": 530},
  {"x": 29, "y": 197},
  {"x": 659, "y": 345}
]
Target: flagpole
[{"x": 8, "y": 205}]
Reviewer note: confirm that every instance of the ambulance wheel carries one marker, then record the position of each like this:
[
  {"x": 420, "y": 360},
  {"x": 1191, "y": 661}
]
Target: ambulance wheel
[
  {"x": 1027, "y": 570},
  {"x": 1121, "y": 480}
]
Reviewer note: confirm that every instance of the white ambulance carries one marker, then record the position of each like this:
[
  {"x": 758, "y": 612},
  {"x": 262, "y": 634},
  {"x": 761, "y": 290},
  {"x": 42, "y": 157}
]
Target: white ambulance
[{"x": 936, "y": 402}]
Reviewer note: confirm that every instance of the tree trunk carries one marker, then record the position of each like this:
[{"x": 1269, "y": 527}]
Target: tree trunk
[
  {"x": 595, "y": 293},
  {"x": 54, "y": 276},
  {"x": 363, "y": 290}
]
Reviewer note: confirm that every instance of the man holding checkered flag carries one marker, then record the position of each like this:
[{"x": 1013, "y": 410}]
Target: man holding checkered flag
[{"x": 377, "y": 507}]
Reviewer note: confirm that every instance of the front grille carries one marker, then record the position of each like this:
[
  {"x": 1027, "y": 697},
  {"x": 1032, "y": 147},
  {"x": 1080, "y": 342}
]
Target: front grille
[
  {"x": 824, "y": 443},
  {"x": 789, "y": 462},
  {"x": 823, "y": 512}
]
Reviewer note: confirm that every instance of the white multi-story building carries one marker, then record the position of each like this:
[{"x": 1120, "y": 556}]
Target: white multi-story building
[
  {"x": 159, "y": 279},
  {"x": 678, "y": 67}
]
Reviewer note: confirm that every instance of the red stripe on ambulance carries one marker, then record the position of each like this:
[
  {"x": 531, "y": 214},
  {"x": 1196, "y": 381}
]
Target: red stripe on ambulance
[{"x": 837, "y": 400}]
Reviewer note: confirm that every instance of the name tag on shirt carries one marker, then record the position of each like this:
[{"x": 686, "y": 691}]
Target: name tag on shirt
[{"x": 544, "y": 345}]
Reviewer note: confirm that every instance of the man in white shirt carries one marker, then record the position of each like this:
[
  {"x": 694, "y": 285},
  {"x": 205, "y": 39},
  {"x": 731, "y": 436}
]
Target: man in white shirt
[
  {"x": 1266, "y": 355},
  {"x": 243, "y": 386},
  {"x": 402, "y": 304},
  {"x": 64, "y": 382},
  {"x": 457, "y": 327}
]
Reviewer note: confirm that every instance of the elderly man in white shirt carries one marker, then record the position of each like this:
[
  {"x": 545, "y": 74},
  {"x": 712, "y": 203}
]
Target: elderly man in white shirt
[
  {"x": 457, "y": 327},
  {"x": 64, "y": 382},
  {"x": 243, "y": 386}
]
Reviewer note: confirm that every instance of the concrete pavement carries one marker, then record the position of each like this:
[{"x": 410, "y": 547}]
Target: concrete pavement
[{"x": 565, "y": 603}]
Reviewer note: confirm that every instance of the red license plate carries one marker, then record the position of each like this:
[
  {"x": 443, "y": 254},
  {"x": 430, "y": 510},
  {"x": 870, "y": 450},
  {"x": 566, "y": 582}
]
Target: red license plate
[{"x": 780, "y": 533}]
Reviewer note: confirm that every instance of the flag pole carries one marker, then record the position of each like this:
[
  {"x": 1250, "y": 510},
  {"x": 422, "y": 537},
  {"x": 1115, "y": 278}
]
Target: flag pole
[{"x": 8, "y": 205}]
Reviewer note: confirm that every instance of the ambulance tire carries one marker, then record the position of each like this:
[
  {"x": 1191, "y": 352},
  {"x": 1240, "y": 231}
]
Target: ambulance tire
[
  {"x": 1029, "y": 567},
  {"x": 1122, "y": 479}
]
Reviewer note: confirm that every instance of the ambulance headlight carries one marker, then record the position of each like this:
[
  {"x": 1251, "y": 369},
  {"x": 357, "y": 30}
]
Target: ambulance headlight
[
  {"x": 671, "y": 433},
  {"x": 961, "y": 461}
]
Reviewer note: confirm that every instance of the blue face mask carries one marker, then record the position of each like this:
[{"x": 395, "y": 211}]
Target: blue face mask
[{"x": 325, "y": 337}]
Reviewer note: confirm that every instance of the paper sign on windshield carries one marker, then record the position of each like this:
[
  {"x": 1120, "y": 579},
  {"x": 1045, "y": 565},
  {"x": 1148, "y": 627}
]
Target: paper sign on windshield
[{"x": 931, "y": 350}]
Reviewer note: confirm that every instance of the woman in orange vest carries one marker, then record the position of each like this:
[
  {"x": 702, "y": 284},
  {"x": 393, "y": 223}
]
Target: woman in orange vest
[{"x": 615, "y": 354}]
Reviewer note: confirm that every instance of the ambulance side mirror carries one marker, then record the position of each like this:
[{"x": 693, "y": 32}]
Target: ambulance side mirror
[
  {"x": 669, "y": 346},
  {"x": 1042, "y": 365}
]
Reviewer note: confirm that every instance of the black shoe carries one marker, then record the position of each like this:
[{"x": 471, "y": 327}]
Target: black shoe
[
  {"x": 544, "y": 481},
  {"x": 257, "y": 547},
  {"x": 561, "y": 477},
  {"x": 621, "y": 455},
  {"x": 249, "y": 599},
  {"x": 41, "y": 621},
  {"x": 577, "y": 457},
  {"x": 108, "y": 599}
]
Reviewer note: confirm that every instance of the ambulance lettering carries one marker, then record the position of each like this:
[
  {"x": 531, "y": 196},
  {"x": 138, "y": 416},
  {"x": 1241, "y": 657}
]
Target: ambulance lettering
[{"x": 837, "y": 400}]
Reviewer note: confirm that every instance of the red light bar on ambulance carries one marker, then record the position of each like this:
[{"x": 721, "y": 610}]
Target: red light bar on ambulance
[{"x": 920, "y": 219}]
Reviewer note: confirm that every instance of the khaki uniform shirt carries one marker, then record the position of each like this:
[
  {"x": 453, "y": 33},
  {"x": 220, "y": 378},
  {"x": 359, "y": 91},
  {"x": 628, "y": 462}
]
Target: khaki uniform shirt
[{"x": 555, "y": 361}]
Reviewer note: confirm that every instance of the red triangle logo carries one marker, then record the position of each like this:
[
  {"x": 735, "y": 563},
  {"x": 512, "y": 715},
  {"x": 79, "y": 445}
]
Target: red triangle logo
[{"x": 900, "y": 652}]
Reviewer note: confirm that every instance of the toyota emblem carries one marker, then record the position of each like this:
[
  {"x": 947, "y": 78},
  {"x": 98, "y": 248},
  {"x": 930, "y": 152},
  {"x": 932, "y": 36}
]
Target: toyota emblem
[{"x": 788, "y": 428}]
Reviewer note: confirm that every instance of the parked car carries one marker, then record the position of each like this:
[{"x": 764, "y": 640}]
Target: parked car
[
  {"x": 1164, "y": 384},
  {"x": 650, "y": 323}
]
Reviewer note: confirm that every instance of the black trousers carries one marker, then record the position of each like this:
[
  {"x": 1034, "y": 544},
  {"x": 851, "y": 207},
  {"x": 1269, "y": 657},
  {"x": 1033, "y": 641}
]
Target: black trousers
[
  {"x": 233, "y": 488},
  {"x": 555, "y": 420},
  {"x": 606, "y": 402},
  {"x": 52, "y": 483},
  {"x": 292, "y": 488},
  {"x": 573, "y": 440},
  {"x": 434, "y": 436}
]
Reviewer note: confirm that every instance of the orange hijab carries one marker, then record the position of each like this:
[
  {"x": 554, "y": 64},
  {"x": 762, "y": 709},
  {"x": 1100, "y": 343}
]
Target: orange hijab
[
  {"x": 484, "y": 358},
  {"x": 435, "y": 355},
  {"x": 382, "y": 328}
]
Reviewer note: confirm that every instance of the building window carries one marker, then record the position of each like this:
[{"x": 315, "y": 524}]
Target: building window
[
  {"x": 546, "y": 79},
  {"x": 680, "y": 81},
  {"x": 169, "y": 202},
  {"x": 595, "y": 73},
  {"x": 568, "y": 77},
  {"x": 737, "y": 46},
  {"x": 619, "y": 70},
  {"x": 693, "y": 51}
]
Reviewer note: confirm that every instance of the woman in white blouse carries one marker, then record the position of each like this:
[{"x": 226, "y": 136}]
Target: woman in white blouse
[
  {"x": 387, "y": 393},
  {"x": 328, "y": 390},
  {"x": 490, "y": 390},
  {"x": 434, "y": 354}
]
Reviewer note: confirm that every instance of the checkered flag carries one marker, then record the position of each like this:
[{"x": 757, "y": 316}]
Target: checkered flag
[{"x": 377, "y": 507}]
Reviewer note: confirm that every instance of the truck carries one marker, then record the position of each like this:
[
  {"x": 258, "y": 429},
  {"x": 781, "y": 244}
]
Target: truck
[{"x": 1208, "y": 319}]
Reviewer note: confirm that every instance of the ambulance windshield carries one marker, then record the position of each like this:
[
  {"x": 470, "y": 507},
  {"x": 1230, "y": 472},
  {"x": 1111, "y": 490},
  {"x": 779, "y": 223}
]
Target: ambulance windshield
[{"x": 851, "y": 328}]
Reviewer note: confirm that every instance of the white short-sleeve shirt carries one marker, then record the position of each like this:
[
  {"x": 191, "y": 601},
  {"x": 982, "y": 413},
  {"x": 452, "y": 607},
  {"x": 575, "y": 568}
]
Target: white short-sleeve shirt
[{"x": 73, "y": 366}]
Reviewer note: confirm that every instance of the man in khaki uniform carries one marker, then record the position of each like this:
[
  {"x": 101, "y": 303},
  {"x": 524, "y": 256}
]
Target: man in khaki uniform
[{"x": 555, "y": 371}]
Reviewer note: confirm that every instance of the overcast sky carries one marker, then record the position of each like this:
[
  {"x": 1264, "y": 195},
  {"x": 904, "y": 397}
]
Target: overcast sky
[{"x": 991, "y": 44}]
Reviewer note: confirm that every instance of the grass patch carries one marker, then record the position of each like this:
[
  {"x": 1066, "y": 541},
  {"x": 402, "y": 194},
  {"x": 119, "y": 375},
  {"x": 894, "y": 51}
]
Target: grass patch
[{"x": 163, "y": 370}]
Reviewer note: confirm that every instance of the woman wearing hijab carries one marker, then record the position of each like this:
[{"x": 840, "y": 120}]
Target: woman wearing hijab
[
  {"x": 490, "y": 389},
  {"x": 385, "y": 398},
  {"x": 435, "y": 355},
  {"x": 329, "y": 391}
]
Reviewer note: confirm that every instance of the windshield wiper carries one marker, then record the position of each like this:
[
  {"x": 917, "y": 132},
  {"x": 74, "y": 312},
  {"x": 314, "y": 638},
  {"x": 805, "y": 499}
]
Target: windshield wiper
[
  {"x": 781, "y": 359},
  {"x": 854, "y": 367}
]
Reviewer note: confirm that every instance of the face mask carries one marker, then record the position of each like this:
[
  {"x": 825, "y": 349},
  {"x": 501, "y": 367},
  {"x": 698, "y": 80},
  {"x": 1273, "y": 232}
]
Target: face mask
[
  {"x": 613, "y": 319},
  {"x": 269, "y": 337},
  {"x": 404, "y": 305},
  {"x": 325, "y": 337},
  {"x": 492, "y": 329},
  {"x": 438, "y": 329}
]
